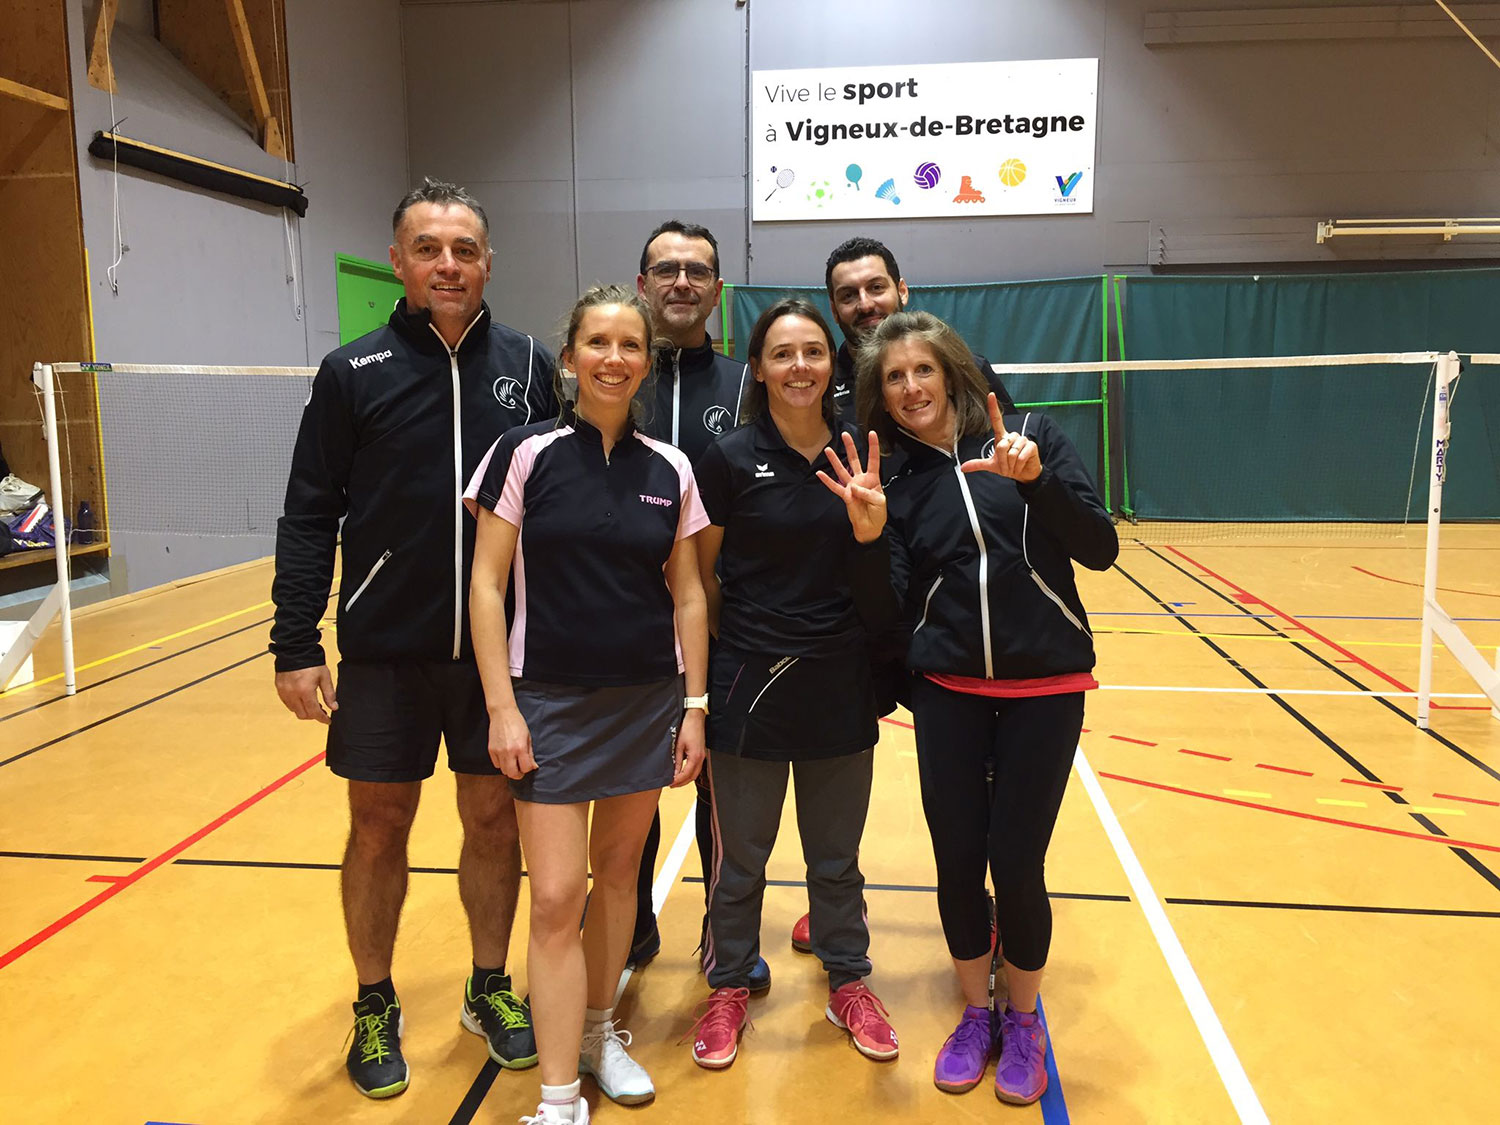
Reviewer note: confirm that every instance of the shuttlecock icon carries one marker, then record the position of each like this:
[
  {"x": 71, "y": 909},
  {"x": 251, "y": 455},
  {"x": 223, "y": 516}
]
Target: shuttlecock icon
[{"x": 887, "y": 190}]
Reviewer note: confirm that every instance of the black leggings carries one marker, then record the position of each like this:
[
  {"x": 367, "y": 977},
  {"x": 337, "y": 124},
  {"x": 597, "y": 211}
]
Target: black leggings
[{"x": 1029, "y": 743}]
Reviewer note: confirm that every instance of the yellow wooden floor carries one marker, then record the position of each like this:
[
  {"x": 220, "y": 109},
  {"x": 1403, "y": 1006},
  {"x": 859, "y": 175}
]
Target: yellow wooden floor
[{"x": 171, "y": 948}]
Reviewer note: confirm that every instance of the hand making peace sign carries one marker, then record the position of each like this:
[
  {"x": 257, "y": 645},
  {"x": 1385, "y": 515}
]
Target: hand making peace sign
[
  {"x": 863, "y": 498},
  {"x": 1013, "y": 455}
]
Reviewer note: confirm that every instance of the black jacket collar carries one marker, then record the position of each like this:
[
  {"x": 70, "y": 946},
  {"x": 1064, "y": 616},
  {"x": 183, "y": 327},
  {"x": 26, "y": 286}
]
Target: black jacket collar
[
  {"x": 415, "y": 327},
  {"x": 689, "y": 360}
]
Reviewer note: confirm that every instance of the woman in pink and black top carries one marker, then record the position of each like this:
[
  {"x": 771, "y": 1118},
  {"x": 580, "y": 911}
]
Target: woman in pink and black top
[{"x": 984, "y": 516}]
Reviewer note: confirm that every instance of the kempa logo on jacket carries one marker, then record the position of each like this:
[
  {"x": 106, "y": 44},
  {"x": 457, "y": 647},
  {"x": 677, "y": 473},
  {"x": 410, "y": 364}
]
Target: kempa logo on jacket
[{"x": 361, "y": 360}]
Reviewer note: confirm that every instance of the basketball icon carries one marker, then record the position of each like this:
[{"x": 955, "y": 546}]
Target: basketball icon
[
  {"x": 927, "y": 175},
  {"x": 1012, "y": 172}
]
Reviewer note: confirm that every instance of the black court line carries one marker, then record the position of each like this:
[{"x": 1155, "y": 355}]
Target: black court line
[
  {"x": 919, "y": 888},
  {"x": 1340, "y": 908},
  {"x": 1302, "y": 720},
  {"x": 70, "y": 855},
  {"x": 1343, "y": 673},
  {"x": 137, "y": 668},
  {"x": 131, "y": 709},
  {"x": 481, "y": 1086},
  {"x": 289, "y": 865}
]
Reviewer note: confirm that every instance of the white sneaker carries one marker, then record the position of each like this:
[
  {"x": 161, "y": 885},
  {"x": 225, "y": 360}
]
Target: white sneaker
[
  {"x": 621, "y": 1079},
  {"x": 555, "y": 1114}
]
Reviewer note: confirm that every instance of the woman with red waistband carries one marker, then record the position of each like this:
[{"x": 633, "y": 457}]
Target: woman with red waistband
[{"x": 983, "y": 515}]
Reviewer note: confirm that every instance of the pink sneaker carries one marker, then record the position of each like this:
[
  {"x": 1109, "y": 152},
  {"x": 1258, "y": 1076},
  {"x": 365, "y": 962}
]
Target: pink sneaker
[
  {"x": 802, "y": 934},
  {"x": 859, "y": 1012},
  {"x": 1021, "y": 1073},
  {"x": 716, "y": 1032}
]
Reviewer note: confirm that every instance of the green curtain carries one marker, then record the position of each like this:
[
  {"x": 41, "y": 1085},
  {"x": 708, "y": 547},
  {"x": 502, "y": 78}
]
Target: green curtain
[{"x": 1308, "y": 443}]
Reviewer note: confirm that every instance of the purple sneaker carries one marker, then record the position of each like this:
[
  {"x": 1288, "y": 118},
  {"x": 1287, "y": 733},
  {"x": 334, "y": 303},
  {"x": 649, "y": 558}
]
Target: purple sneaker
[
  {"x": 965, "y": 1054},
  {"x": 1021, "y": 1073}
]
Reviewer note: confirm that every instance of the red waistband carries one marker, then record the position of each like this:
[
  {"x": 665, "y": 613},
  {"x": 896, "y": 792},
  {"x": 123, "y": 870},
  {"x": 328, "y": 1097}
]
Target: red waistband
[{"x": 1016, "y": 689}]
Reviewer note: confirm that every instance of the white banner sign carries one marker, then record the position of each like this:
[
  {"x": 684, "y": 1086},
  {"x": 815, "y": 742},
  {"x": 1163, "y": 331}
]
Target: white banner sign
[{"x": 903, "y": 142}]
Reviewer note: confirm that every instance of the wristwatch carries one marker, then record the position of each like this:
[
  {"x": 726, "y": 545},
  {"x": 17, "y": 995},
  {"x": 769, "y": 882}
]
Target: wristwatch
[{"x": 699, "y": 701}]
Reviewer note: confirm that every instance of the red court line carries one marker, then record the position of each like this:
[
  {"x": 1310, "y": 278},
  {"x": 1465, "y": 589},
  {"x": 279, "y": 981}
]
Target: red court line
[
  {"x": 1448, "y": 841},
  {"x": 1137, "y": 741},
  {"x": 897, "y": 723},
  {"x": 152, "y": 864},
  {"x": 105, "y": 878},
  {"x": 1371, "y": 784},
  {"x": 1201, "y": 754},
  {"x": 1466, "y": 800},
  {"x": 1418, "y": 585},
  {"x": 1311, "y": 632},
  {"x": 1283, "y": 769}
]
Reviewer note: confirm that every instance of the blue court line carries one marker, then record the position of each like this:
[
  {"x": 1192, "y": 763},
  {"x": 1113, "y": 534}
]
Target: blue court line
[
  {"x": 1054, "y": 1107},
  {"x": 1268, "y": 616}
]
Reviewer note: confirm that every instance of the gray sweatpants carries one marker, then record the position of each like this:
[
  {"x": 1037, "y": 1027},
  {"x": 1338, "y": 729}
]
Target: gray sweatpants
[{"x": 833, "y": 798}]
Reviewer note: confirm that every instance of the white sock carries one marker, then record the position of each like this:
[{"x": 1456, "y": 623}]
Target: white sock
[
  {"x": 564, "y": 1098},
  {"x": 593, "y": 1017}
]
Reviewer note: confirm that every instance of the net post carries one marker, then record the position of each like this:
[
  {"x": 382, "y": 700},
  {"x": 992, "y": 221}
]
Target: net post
[
  {"x": 1444, "y": 373},
  {"x": 42, "y": 375}
]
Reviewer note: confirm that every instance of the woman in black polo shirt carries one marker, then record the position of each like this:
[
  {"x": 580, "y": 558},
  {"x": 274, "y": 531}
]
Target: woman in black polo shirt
[
  {"x": 586, "y": 688},
  {"x": 789, "y": 685}
]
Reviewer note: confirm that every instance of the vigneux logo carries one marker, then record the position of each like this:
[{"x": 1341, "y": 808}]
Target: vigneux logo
[{"x": 1066, "y": 186}]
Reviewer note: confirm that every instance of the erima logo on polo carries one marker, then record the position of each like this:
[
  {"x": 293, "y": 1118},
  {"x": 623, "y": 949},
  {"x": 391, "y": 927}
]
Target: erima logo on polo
[
  {"x": 658, "y": 501},
  {"x": 715, "y": 418},
  {"x": 507, "y": 392},
  {"x": 763, "y": 471},
  {"x": 378, "y": 357}
]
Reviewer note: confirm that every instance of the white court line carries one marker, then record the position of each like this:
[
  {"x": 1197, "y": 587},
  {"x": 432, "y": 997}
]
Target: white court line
[
  {"x": 668, "y": 877},
  {"x": 1290, "y": 691},
  {"x": 1233, "y": 1075}
]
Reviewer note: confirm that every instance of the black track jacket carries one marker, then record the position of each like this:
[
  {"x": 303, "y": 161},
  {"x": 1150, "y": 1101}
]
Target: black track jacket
[
  {"x": 692, "y": 397},
  {"x": 981, "y": 565},
  {"x": 395, "y": 426}
]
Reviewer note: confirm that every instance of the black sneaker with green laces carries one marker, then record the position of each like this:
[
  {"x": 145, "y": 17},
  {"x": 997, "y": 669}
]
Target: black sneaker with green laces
[
  {"x": 375, "y": 1064},
  {"x": 503, "y": 1018}
]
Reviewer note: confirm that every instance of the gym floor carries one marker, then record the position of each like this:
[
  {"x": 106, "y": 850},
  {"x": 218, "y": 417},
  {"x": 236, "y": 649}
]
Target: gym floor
[{"x": 1278, "y": 891}]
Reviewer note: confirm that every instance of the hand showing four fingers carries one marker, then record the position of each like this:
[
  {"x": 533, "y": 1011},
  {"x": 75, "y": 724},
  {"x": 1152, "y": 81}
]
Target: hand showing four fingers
[
  {"x": 859, "y": 489},
  {"x": 1014, "y": 455}
]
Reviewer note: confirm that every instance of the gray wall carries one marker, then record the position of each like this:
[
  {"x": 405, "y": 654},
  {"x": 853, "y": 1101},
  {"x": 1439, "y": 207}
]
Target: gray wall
[
  {"x": 205, "y": 278},
  {"x": 1220, "y": 152}
]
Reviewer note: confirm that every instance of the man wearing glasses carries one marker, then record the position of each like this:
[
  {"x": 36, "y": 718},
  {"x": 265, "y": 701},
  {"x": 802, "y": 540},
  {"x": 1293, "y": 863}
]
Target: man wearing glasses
[{"x": 691, "y": 399}]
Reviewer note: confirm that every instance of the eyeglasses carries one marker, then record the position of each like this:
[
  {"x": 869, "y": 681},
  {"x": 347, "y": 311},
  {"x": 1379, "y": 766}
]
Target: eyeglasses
[{"x": 697, "y": 273}]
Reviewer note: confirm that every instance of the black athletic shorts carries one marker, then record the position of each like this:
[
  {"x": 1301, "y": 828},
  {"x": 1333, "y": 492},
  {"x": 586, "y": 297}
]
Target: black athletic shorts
[
  {"x": 390, "y": 717},
  {"x": 790, "y": 708}
]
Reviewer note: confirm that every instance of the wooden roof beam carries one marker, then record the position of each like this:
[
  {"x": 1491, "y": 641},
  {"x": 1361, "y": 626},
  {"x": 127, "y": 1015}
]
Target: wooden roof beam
[
  {"x": 101, "y": 70},
  {"x": 31, "y": 94},
  {"x": 270, "y": 127}
]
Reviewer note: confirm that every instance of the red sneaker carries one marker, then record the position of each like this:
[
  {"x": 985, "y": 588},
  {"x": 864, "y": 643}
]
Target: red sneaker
[
  {"x": 859, "y": 1012},
  {"x": 802, "y": 934},
  {"x": 716, "y": 1032}
]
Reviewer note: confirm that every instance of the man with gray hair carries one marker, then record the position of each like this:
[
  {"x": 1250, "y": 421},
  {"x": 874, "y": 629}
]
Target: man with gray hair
[{"x": 397, "y": 422}]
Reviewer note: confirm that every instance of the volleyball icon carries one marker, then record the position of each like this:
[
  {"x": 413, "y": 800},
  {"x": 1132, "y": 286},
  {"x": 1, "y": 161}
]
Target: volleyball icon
[
  {"x": 928, "y": 174},
  {"x": 1012, "y": 172},
  {"x": 887, "y": 191}
]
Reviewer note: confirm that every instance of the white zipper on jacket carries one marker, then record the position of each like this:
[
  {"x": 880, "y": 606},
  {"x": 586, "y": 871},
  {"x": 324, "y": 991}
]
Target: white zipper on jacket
[
  {"x": 370, "y": 577},
  {"x": 927, "y": 604},
  {"x": 458, "y": 485},
  {"x": 984, "y": 555},
  {"x": 676, "y": 395},
  {"x": 1026, "y": 556}
]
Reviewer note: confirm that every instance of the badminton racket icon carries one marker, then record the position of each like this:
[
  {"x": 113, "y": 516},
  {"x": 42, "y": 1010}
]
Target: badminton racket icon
[{"x": 784, "y": 179}]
